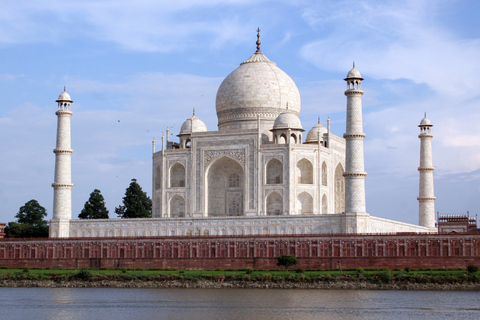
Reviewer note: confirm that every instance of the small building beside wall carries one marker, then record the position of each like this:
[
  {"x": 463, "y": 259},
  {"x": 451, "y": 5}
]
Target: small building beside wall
[
  {"x": 460, "y": 223},
  {"x": 2, "y": 230}
]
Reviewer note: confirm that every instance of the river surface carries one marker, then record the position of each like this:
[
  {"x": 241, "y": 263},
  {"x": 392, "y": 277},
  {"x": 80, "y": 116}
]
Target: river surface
[{"x": 244, "y": 304}]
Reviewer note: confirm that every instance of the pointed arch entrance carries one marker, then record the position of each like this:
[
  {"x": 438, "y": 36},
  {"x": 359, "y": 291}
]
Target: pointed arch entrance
[{"x": 225, "y": 188}]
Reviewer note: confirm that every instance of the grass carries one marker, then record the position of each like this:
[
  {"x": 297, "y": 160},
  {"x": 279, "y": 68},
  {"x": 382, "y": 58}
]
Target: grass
[{"x": 250, "y": 272}]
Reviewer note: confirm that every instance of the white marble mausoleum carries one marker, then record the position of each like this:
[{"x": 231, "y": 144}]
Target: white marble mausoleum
[{"x": 259, "y": 172}]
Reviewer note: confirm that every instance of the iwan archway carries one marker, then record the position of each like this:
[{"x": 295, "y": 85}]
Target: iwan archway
[{"x": 225, "y": 188}]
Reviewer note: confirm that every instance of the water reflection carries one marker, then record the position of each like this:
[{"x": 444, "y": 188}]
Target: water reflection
[{"x": 244, "y": 304}]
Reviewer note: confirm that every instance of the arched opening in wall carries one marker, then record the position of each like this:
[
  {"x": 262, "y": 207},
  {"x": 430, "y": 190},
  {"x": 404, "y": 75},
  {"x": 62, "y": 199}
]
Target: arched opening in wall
[
  {"x": 156, "y": 205},
  {"x": 304, "y": 203},
  {"x": 158, "y": 178},
  {"x": 225, "y": 180},
  {"x": 274, "y": 172},
  {"x": 324, "y": 204},
  {"x": 293, "y": 138},
  {"x": 274, "y": 204},
  {"x": 304, "y": 172},
  {"x": 177, "y": 176},
  {"x": 283, "y": 139},
  {"x": 188, "y": 143},
  {"x": 177, "y": 207},
  {"x": 324, "y": 174},
  {"x": 339, "y": 189}
]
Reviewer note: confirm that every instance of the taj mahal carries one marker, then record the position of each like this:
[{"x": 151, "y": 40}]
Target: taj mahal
[{"x": 259, "y": 173}]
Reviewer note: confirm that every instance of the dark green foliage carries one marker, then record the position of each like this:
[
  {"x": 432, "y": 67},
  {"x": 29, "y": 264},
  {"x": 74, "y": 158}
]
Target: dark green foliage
[
  {"x": 385, "y": 276},
  {"x": 30, "y": 222},
  {"x": 94, "y": 208},
  {"x": 300, "y": 270},
  {"x": 136, "y": 203},
  {"x": 471, "y": 268},
  {"x": 83, "y": 274},
  {"x": 286, "y": 261}
]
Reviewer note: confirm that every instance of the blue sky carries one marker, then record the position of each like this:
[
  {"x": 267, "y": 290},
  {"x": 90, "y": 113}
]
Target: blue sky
[{"x": 149, "y": 63}]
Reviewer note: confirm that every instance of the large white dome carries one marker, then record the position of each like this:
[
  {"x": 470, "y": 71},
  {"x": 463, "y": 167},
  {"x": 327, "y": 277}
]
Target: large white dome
[{"x": 256, "y": 88}]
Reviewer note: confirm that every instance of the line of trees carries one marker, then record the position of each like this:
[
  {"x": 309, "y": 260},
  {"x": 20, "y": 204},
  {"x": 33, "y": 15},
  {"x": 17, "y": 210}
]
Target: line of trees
[{"x": 31, "y": 221}]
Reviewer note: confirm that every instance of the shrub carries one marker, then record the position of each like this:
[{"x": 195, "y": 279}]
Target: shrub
[
  {"x": 407, "y": 269},
  {"x": 300, "y": 270},
  {"x": 26, "y": 270},
  {"x": 248, "y": 271},
  {"x": 83, "y": 274},
  {"x": 385, "y": 276},
  {"x": 471, "y": 268},
  {"x": 124, "y": 270}
]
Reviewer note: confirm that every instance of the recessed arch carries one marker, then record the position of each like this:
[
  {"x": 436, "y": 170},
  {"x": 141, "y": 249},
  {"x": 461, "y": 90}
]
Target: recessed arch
[
  {"x": 304, "y": 203},
  {"x": 177, "y": 176},
  {"x": 324, "y": 174},
  {"x": 274, "y": 172},
  {"x": 304, "y": 172},
  {"x": 225, "y": 188},
  {"x": 324, "y": 204},
  {"x": 274, "y": 203},
  {"x": 158, "y": 178},
  {"x": 339, "y": 189},
  {"x": 177, "y": 207}
]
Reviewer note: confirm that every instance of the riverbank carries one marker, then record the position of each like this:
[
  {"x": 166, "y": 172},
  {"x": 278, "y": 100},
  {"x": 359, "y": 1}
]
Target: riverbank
[
  {"x": 372, "y": 279},
  {"x": 333, "y": 285}
]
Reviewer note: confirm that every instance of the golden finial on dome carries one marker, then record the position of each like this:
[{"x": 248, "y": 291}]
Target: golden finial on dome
[{"x": 258, "y": 40}]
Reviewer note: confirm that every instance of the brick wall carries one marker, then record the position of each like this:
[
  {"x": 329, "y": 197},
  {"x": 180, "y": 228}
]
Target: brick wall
[{"x": 211, "y": 252}]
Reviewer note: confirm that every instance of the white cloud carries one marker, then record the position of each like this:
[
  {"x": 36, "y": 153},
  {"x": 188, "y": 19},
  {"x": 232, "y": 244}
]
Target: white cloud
[{"x": 111, "y": 140}]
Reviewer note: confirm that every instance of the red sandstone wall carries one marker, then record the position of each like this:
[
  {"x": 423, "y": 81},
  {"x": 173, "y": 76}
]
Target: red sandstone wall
[{"x": 351, "y": 251}]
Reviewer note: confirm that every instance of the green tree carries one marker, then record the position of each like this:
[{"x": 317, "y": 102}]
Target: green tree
[
  {"x": 94, "y": 208},
  {"x": 30, "y": 222},
  {"x": 287, "y": 260},
  {"x": 136, "y": 203}
]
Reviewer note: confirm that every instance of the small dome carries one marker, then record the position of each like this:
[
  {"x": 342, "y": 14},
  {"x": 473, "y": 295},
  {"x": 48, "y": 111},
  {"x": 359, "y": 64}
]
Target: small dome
[
  {"x": 354, "y": 73},
  {"x": 312, "y": 135},
  {"x": 287, "y": 120},
  {"x": 425, "y": 122},
  {"x": 64, "y": 96},
  {"x": 193, "y": 124}
]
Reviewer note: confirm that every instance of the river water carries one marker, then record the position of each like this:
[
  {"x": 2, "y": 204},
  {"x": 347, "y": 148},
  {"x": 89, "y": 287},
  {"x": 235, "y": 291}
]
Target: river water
[{"x": 244, "y": 304}]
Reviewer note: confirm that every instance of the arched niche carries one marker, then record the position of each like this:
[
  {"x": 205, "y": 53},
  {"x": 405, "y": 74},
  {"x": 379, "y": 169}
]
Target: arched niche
[
  {"x": 158, "y": 178},
  {"x": 177, "y": 207},
  {"x": 304, "y": 203},
  {"x": 304, "y": 172},
  {"x": 225, "y": 188},
  {"x": 274, "y": 172},
  {"x": 339, "y": 189},
  {"x": 177, "y": 176},
  {"x": 324, "y": 204},
  {"x": 274, "y": 203},
  {"x": 324, "y": 174}
]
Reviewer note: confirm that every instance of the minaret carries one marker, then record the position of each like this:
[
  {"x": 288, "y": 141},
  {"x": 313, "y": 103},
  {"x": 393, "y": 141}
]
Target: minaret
[
  {"x": 62, "y": 186},
  {"x": 354, "y": 160},
  {"x": 426, "y": 198}
]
